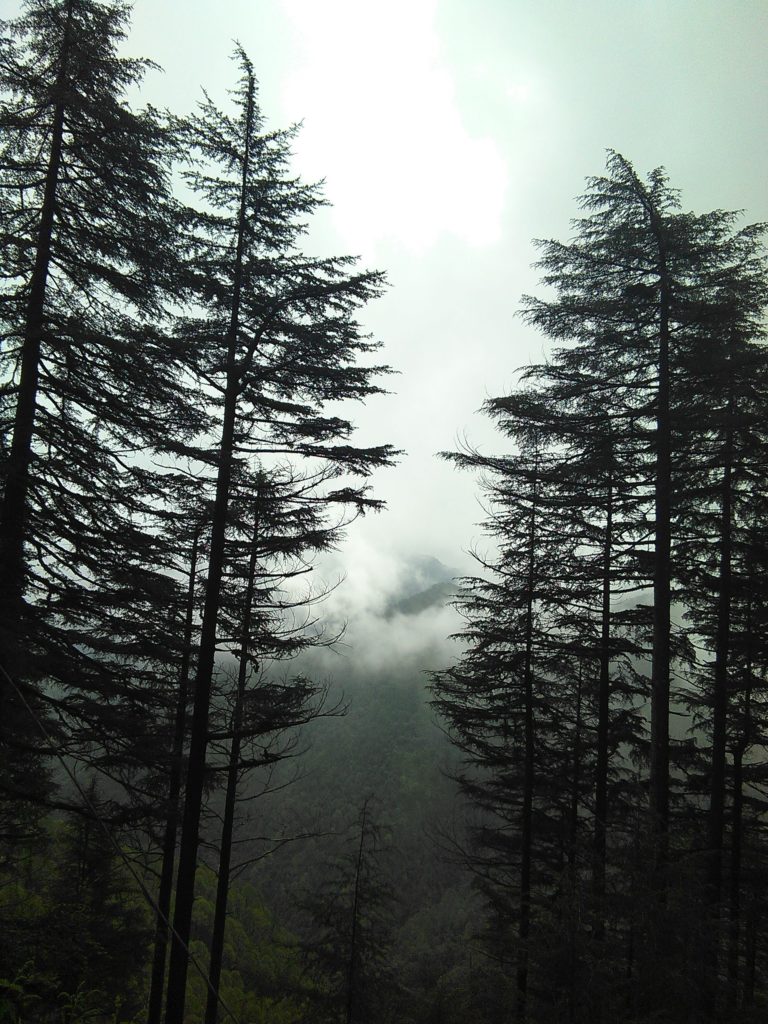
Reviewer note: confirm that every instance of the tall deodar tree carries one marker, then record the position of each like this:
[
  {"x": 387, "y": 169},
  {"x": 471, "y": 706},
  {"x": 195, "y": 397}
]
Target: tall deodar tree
[
  {"x": 647, "y": 420},
  {"x": 88, "y": 379},
  {"x": 662, "y": 311},
  {"x": 277, "y": 340}
]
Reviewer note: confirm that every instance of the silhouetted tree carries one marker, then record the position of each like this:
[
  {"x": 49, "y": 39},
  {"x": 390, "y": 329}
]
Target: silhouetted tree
[
  {"x": 634, "y": 481},
  {"x": 500, "y": 701},
  {"x": 286, "y": 524},
  {"x": 88, "y": 379},
  {"x": 277, "y": 340},
  {"x": 350, "y": 953}
]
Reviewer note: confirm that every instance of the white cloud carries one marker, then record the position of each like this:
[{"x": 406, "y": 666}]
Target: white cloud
[{"x": 381, "y": 123}]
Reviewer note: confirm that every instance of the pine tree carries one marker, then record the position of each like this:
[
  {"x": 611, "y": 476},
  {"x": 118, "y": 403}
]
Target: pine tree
[
  {"x": 639, "y": 277},
  {"x": 350, "y": 952},
  {"x": 287, "y": 527},
  {"x": 277, "y": 340},
  {"x": 89, "y": 380},
  {"x": 615, "y": 291},
  {"x": 633, "y": 422},
  {"x": 502, "y": 701},
  {"x": 174, "y": 788},
  {"x": 725, "y": 483}
]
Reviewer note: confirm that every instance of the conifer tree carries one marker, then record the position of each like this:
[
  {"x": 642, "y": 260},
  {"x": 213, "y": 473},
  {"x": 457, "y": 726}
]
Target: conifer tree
[
  {"x": 501, "y": 700},
  {"x": 350, "y": 951},
  {"x": 725, "y": 475},
  {"x": 88, "y": 378},
  {"x": 174, "y": 788},
  {"x": 277, "y": 340},
  {"x": 652, "y": 301},
  {"x": 614, "y": 285},
  {"x": 287, "y": 527},
  {"x": 636, "y": 300},
  {"x": 636, "y": 417}
]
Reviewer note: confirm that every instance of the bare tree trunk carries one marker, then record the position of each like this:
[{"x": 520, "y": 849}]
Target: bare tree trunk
[
  {"x": 353, "y": 932},
  {"x": 230, "y": 799},
  {"x": 529, "y": 779},
  {"x": 174, "y": 791}
]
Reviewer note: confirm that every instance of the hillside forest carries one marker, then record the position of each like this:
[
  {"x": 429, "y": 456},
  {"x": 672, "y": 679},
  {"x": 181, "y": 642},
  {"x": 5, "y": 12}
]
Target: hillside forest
[{"x": 536, "y": 793}]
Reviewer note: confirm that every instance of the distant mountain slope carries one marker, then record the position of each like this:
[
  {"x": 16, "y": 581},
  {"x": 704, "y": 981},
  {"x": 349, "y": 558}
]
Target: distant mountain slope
[
  {"x": 436, "y": 596},
  {"x": 430, "y": 584},
  {"x": 428, "y": 570}
]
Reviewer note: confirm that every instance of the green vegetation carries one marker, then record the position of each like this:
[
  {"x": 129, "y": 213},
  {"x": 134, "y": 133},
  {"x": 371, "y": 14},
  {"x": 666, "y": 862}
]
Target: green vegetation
[{"x": 75, "y": 928}]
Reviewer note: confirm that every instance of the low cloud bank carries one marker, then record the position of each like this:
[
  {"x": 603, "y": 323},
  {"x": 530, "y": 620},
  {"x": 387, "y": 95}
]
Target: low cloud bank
[{"x": 394, "y": 610}]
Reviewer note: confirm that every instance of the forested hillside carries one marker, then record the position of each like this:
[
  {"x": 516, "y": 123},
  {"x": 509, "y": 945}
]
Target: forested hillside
[{"x": 532, "y": 792}]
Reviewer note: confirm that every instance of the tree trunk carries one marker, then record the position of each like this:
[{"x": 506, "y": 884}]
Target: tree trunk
[
  {"x": 750, "y": 965},
  {"x": 524, "y": 927},
  {"x": 737, "y": 835},
  {"x": 185, "y": 884},
  {"x": 573, "y": 829},
  {"x": 353, "y": 931},
  {"x": 734, "y": 908},
  {"x": 572, "y": 845},
  {"x": 174, "y": 791},
  {"x": 716, "y": 818},
  {"x": 603, "y": 712},
  {"x": 659, "y": 782},
  {"x": 230, "y": 799}
]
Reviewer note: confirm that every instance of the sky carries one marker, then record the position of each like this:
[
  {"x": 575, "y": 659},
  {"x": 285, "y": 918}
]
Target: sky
[{"x": 450, "y": 134}]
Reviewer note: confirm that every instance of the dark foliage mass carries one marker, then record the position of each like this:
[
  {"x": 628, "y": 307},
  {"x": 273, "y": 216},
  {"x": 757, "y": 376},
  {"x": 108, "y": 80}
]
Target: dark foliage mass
[
  {"x": 608, "y": 706},
  {"x": 195, "y": 822}
]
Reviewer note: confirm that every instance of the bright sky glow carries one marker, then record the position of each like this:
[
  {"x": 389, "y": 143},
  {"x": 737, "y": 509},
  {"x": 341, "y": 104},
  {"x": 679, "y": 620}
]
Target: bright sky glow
[
  {"x": 450, "y": 133},
  {"x": 520, "y": 92},
  {"x": 404, "y": 163}
]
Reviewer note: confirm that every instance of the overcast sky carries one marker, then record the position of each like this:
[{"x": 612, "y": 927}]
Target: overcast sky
[{"x": 452, "y": 132}]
